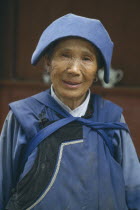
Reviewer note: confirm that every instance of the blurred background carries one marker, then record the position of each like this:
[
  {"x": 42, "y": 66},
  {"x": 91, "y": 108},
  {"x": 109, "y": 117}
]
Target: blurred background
[{"x": 23, "y": 21}]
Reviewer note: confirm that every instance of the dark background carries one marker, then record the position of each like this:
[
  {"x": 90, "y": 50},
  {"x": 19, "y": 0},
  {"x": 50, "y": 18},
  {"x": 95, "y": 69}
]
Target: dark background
[{"x": 21, "y": 24}]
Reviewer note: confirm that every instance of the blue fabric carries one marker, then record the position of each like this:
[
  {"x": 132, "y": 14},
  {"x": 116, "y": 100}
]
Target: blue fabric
[
  {"x": 52, "y": 104},
  {"x": 133, "y": 198},
  {"x": 41, "y": 135},
  {"x": 88, "y": 178},
  {"x": 73, "y": 25},
  {"x": 104, "y": 188},
  {"x": 10, "y": 150},
  {"x": 33, "y": 106}
]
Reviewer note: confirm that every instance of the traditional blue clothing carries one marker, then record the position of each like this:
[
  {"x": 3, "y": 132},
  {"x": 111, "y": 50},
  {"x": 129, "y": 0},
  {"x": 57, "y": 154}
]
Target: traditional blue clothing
[
  {"x": 83, "y": 174},
  {"x": 50, "y": 159}
]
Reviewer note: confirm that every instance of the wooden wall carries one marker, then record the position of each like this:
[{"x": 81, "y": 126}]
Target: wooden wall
[{"x": 22, "y": 23}]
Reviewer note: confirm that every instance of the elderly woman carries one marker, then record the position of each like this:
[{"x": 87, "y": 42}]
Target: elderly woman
[{"x": 66, "y": 148}]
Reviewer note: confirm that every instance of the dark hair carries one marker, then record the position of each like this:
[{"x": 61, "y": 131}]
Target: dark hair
[{"x": 50, "y": 49}]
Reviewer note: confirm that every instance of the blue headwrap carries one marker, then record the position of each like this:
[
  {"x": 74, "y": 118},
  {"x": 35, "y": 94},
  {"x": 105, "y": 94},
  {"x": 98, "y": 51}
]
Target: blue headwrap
[{"x": 73, "y": 25}]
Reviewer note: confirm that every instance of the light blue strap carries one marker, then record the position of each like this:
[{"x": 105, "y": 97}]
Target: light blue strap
[
  {"x": 47, "y": 131},
  {"x": 41, "y": 135}
]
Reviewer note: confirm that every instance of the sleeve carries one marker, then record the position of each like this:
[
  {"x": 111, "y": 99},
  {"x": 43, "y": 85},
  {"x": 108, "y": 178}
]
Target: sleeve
[
  {"x": 131, "y": 170},
  {"x": 11, "y": 140}
]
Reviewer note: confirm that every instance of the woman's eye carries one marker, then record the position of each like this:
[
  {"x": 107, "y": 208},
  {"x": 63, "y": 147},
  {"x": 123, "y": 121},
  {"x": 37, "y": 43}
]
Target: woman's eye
[
  {"x": 65, "y": 55},
  {"x": 86, "y": 59}
]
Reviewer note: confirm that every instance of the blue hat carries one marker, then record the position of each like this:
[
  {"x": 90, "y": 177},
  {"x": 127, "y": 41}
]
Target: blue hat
[{"x": 73, "y": 25}]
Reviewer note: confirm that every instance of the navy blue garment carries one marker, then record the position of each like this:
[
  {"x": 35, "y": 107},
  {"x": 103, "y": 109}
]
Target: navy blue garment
[
  {"x": 86, "y": 176},
  {"x": 99, "y": 127},
  {"x": 96, "y": 164}
]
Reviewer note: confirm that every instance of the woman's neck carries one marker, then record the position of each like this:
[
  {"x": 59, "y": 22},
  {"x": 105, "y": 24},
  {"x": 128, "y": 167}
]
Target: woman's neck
[{"x": 72, "y": 103}]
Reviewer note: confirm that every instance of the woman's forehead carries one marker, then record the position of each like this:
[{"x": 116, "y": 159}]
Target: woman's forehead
[{"x": 75, "y": 43}]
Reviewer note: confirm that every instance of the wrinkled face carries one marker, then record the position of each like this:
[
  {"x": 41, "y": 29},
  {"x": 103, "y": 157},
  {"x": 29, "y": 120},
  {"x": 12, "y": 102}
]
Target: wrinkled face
[{"x": 73, "y": 67}]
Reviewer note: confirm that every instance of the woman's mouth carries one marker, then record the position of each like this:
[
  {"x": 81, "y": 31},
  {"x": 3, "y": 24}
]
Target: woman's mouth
[{"x": 71, "y": 84}]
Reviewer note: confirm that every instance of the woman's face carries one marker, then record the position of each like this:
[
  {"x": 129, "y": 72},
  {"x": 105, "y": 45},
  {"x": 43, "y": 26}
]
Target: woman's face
[{"x": 73, "y": 67}]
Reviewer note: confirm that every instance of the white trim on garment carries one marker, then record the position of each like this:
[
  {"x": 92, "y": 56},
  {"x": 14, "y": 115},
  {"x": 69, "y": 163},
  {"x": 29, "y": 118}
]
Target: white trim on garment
[{"x": 56, "y": 172}]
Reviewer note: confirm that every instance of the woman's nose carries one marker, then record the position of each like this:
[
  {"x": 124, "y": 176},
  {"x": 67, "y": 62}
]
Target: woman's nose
[{"x": 74, "y": 67}]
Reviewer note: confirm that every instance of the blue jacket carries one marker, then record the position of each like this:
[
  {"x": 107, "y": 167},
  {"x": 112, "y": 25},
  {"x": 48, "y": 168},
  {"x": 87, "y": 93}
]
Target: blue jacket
[{"x": 86, "y": 174}]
